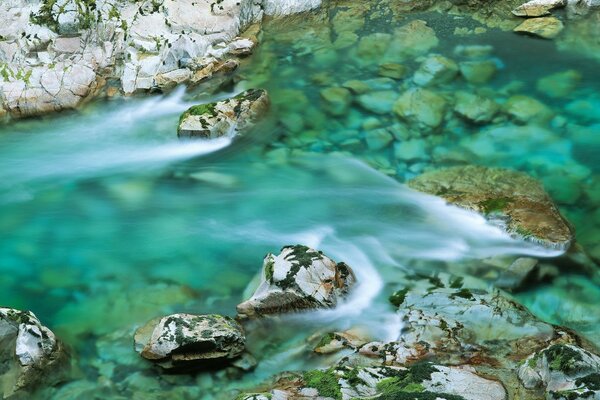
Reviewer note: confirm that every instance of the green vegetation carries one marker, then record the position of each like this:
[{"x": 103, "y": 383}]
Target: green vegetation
[
  {"x": 494, "y": 205},
  {"x": 562, "y": 358},
  {"x": 20, "y": 74},
  {"x": 269, "y": 271},
  {"x": 50, "y": 10},
  {"x": 326, "y": 382},
  {"x": 326, "y": 339},
  {"x": 398, "y": 297}
]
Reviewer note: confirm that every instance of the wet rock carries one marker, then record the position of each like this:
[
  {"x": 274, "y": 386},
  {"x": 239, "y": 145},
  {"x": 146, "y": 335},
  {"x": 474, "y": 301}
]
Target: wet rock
[
  {"x": 336, "y": 99},
  {"x": 512, "y": 200},
  {"x": 422, "y": 107},
  {"x": 378, "y": 139},
  {"x": 299, "y": 278},
  {"x": 436, "y": 69},
  {"x": 473, "y": 51},
  {"x": 478, "y": 72},
  {"x": 287, "y": 7},
  {"x": 411, "y": 40},
  {"x": 411, "y": 150},
  {"x": 380, "y": 102},
  {"x": 525, "y": 109},
  {"x": 30, "y": 354},
  {"x": 560, "y": 84},
  {"x": 394, "y": 71},
  {"x": 183, "y": 341},
  {"x": 229, "y": 117},
  {"x": 564, "y": 372},
  {"x": 335, "y": 341},
  {"x": 544, "y": 27},
  {"x": 475, "y": 108},
  {"x": 371, "y": 48},
  {"x": 538, "y": 8}
]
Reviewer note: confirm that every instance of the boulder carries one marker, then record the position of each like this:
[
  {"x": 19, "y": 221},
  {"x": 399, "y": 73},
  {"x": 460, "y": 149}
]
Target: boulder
[
  {"x": 544, "y": 27},
  {"x": 184, "y": 341},
  {"x": 379, "y": 102},
  {"x": 336, "y": 100},
  {"x": 538, "y": 8},
  {"x": 526, "y": 110},
  {"x": 478, "y": 72},
  {"x": 435, "y": 69},
  {"x": 30, "y": 354},
  {"x": 230, "y": 117},
  {"x": 475, "y": 108},
  {"x": 422, "y": 107},
  {"x": 560, "y": 84},
  {"x": 509, "y": 199},
  {"x": 298, "y": 278}
]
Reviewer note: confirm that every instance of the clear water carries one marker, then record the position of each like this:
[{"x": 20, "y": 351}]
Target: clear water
[{"x": 106, "y": 220}]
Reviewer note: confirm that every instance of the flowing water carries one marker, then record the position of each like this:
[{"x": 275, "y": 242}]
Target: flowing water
[{"x": 107, "y": 220}]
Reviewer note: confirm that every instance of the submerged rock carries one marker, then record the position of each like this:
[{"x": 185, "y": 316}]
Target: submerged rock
[
  {"x": 30, "y": 354},
  {"x": 510, "y": 199},
  {"x": 525, "y": 109},
  {"x": 475, "y": 108},
  {"x": 560, "y": 84},
  {"x": 538, "y": 8},
  {"x": 434, "y": 70},
  {"x": 229, "y": 117},
  {"x": 478, "y": 71},
  {"x": 298, "y": 278},
  {"x": 422, "y": 107},
  {"x": 187, "y": 341},
  {"x": 544, "y": 27}
]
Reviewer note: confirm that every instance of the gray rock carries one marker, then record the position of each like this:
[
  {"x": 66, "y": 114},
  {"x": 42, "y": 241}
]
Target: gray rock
[
  {"x": 30, "y": 354},
  {"x": 184, "y": 341},
  {"x": 299, "y": 278},
  {"x": 229, "y": 117},
  {"x": 538, "y": 8}
]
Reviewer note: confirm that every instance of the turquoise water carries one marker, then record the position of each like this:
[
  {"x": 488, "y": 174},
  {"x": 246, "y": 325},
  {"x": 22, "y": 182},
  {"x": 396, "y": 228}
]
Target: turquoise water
[{"x": 107, "y": 220}]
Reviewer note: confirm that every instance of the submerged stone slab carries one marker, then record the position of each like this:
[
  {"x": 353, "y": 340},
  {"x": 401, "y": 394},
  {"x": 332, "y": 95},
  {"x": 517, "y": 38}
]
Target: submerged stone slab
[
  {"x": 229, "y": 117},
  {"x": 30, "y": 353},
  {"x": 509, "y": 199},
  {"x": 184, "y": 340},
  {"x": 299, "y": 278}
]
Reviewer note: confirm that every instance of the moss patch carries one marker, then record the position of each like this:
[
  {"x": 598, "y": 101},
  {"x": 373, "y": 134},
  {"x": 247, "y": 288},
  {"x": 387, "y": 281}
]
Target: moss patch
[
  {"x": 398, "y": 297},
  {"x": 494, "y": 205},
  {"x": 326, "y": 382},
  {"x": 562, "y": 358}
]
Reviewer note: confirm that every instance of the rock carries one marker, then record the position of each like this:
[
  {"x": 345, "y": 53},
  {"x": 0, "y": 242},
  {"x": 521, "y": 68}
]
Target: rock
[
  {"x": 30, "y": 354},
  {"x": 411, "y": 40},
  {"x": 287, "y": 7},
  {"x": 512, "y": 200},
  {"x": 371, "y": 48},
  {"x": 335, "y": 341},
  {"x": 378, "y": 139},
  {"x": 422, "y": 107},
  {"x": 525, "y": 109},
  {"x": 411, "y": 150},
  {"x": 478, "y": 72},
  {"x": 544, "y": 27},
  {"x": 380, "y": 102},
  {"x": 299, "y": 278},
  {"x": 436, "y": 69},
  {"x": 336, "y": 99},
  {"x": 538, "y": 8},
  {"x": 560, "y": 84},
  {"x": 183, "y": 341},
  {"x": 564, "y": 372},
  {"x": 230, "y": 117},
  {"x": 473, "y": 51},
  {"x": 475, "y": 108},
  {"x": 394, "y": 71}
]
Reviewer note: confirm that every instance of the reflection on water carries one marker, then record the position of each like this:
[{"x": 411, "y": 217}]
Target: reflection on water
[{"x": 106, "y": 220}]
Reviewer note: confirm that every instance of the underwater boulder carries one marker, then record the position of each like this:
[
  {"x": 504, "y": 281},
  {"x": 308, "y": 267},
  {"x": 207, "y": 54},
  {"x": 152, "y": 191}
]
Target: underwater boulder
[
  {"x": 299, "y": 278},
  {"x": 509, "y": 199},
  {"x": 435, "y": 69},
  {"x": 421, "y": 107},
  {"x": 30, "y": 353},
  {"x": 230, "y": 117},
  {"x": 181, "y": 341}
]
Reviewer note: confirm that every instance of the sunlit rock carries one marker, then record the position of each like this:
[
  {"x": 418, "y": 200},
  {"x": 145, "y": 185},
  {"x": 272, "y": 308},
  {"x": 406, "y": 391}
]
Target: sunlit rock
[
  {"x": 187, "y": 340},
  {"x": 538, "y": 8},
  {"x": 30, "y": 354},
  {"x": 230, "y": 117},
  {"x": 434, "y": 70},
  {"x": 475, "y": 108},
  {"x": 424, "y": 108},
  {"x": 509, "y": 199},
  {"x": 298, "y": 278},
  {"x": 564, "y": 372},
  {"x": 544, "y": 27}
]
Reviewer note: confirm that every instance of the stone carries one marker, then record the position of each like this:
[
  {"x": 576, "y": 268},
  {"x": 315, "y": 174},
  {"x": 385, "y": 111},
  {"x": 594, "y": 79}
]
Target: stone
[
  {"x": 563, "y": 371},
  {"x": 299, "y": 278},
  {"x": 378, "y": 139},
  {"x": 379, "y": 102},
  {"x": 538, "y": 8},
  {"x": 475, "y": 51},
  {"x": 560, "y": 84},
  {"x": 335, "y": 341},
  {"x": 544, "y": 27},
  {"x": 231, "y": 117},
  {"x": 509, "y": 199},
  {"x": 287, "y": 7},
  {"x": 411, "y": 40},
  {"x": 411, "y": 150},
  {"x": 525, "y": 110},
  {"x": 30, "y": 354},
  {"x": 336, "y": 99},
  {"x": 475, "y": 108},
  {"x": 424, "y": 108},
  {"x": 187, "y": 341},
  {"x": 434, "y": 70},
  {"x": 392, "y": 70},
  {"x": 371, "y": 48},
  {"x": 478, "y": 72}
]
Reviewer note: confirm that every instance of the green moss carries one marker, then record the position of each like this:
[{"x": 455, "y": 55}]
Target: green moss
[
  {"x": 463, "y": 293},
  {"x": 325, "y": 340},
  {"x": 407, "y": 385},
  {"x": 456, "y": 283},
  {"x": 50, "y": 10},
  {"x": 398, "y": 297},
  {"x": 591, "y": 381},
  {"x": 269, "y": 269},
  {"x": 326, "y": 382},
  {"x": 300, "y": 257},
  {"x": 562, "y": 358},
  {"x": 494, "y": 205},
  {"x": 199, "y": 110}
]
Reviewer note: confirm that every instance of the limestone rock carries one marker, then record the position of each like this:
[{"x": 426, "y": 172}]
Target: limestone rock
[
  {"x": 30, "y": 353},
  {"x": 187, "y": 340},
  {"x": 525, "y": 109},
  {"x": 336, "y": 99},
  {"x": 422, "y": 107},
  {"x": 478, "y": 71},
  {"x": 509, "y": 199},
  {"x": 298, "y": 278},
  {"x": 560, "y": 84},
  {"x": 434, "y": 70},
  {"x": 229, "y": 117},
  {"x": 544, "y": 27},
  {"x": 411, "y": 40},
  {"x": 392, "y": 70},
  {"x": 475, "y": 108},
  {"x": 538, "y": 8},
  {"x": 379, "y": 102},
  {"x": 287, "y": 7}
]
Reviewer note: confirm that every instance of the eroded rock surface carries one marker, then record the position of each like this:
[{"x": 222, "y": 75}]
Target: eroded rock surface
[
  {"x": 229, "y": 117},
  {"x": 509, "y": 199},
  {"x": 298, "y": 278},
  {"x": 30, "y": 354}
]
